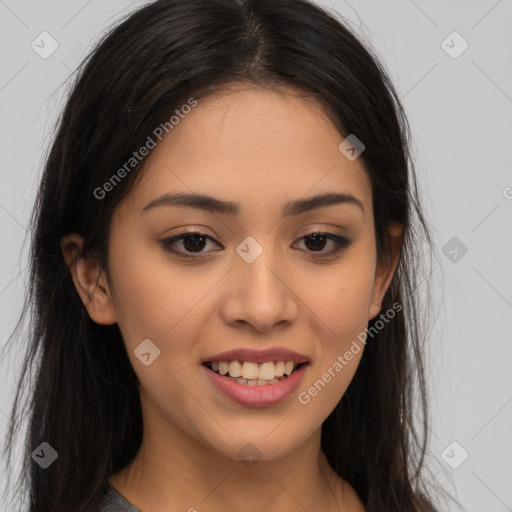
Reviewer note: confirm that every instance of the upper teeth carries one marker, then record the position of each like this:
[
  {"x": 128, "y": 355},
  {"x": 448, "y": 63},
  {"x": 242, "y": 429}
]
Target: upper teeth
[{"x": 249, "y": 370}]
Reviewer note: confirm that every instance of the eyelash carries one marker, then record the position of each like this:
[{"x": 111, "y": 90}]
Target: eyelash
[{"x": 340, "y": 241}]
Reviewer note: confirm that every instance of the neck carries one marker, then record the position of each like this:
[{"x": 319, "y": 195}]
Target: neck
[{"x": 173, "y": 468}]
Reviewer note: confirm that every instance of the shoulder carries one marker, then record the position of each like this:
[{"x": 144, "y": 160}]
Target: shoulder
[{"x": 113, "y": 501}]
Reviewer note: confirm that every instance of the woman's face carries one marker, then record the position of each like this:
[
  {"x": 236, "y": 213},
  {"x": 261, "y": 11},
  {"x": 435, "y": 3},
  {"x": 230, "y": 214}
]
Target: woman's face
[{"x": 255, "y": 281}]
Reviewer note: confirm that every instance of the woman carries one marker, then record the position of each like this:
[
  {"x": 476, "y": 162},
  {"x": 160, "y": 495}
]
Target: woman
[{"x": 224, "y": 273}]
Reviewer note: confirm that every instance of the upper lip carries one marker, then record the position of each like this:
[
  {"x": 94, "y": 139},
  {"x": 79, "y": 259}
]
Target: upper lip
[{"x": 258, "y": 356}]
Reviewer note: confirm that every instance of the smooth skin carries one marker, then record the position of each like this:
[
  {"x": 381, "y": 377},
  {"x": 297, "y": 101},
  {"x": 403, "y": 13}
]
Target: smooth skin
[{"x": 259, "y": 148}]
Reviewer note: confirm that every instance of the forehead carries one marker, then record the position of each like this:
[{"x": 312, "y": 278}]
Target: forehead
[{"x": 252, "y": 145}]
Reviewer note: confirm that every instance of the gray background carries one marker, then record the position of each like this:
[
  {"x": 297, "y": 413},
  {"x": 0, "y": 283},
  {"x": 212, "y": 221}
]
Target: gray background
[{"x": 460, "y": 110}]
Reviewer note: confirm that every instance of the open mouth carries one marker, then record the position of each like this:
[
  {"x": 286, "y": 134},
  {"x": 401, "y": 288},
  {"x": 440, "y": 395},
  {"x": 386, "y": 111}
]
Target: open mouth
[{"x": 254, "y": 374}]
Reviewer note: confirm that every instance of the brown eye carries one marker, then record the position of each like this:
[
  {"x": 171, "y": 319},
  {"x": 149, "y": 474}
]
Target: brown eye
[
  {"x": 193, "y": 242},
  {"x": 317, "y": 241}
]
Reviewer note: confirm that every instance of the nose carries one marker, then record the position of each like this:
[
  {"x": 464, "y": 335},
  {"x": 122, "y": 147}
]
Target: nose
[{"x": 259, "y": 294}]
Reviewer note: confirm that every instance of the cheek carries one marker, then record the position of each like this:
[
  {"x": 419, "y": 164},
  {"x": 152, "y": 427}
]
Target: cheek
[
  {"x": 341, "y": 308},
  {"x": 151, "y": 298},
  {"x": 170, "y": 306},
  {"x": 341, "y": 299}
]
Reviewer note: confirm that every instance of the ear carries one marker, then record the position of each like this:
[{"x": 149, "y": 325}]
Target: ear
[
  {"x": 385, "y": 270},
  {"x": 89, "y": 282}
]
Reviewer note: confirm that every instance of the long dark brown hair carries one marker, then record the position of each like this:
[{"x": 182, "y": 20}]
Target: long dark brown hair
[{"x": 84, "y": 401}]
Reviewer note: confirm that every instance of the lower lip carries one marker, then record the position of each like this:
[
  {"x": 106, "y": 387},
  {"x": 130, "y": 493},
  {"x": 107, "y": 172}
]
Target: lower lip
[{"x": 257, "y": 396}]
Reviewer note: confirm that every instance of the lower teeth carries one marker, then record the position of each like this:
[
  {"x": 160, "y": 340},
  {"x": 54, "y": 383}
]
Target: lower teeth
[{"x": 254, "y": 382}]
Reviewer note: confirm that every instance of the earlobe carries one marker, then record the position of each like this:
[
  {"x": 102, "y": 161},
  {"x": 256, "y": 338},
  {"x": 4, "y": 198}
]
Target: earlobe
[
  {"x": 384, "y": 272},
  {"x": 89, "y": 281}
]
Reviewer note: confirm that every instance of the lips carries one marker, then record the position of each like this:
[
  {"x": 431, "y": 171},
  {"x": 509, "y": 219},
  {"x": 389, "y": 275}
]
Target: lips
[
  {"x": 254, "y": 377},
  {"x": 257, "y": 395}
]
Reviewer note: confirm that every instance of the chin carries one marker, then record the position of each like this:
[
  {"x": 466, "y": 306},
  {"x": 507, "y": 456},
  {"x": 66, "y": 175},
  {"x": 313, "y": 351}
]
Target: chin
[{"x": 263, "y": 445}]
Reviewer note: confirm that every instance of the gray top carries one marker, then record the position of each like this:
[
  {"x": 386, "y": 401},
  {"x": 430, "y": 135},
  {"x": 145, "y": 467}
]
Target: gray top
[{"x": 112, "y": 501}]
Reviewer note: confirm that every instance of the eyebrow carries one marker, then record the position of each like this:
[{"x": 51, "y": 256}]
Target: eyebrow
[{"x": 212, "y": 204}]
